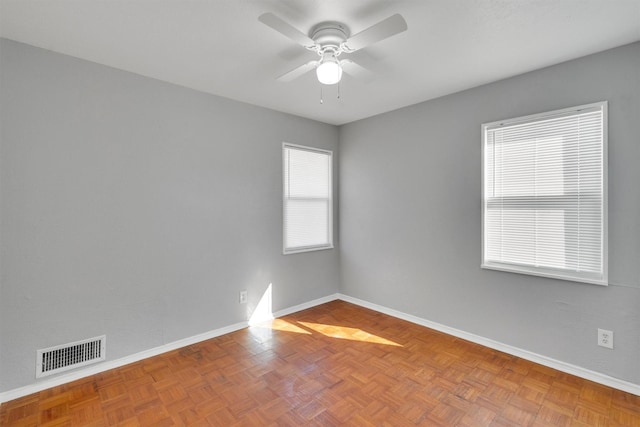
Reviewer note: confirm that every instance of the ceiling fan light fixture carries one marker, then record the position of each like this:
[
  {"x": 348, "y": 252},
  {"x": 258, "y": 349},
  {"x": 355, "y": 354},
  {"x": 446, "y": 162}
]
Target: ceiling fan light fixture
[{"x": 329, "y": 71}]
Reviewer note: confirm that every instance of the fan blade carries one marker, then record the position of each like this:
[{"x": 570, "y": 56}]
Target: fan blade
[
  {"x": 271, "y": 20},
  {"x": 389, "y": 27},
  {"x": 297, "y": 72},
  {"x": 356, "y": 70}
]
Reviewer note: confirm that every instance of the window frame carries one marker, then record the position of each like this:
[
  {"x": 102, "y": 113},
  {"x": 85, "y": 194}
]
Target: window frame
[
  {"x": 302, "y": 249},
  {"x": 546, "y": 271}
]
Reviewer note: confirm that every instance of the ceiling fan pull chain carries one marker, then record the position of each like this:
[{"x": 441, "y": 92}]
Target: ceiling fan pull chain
[
  {"x": 338, "y": 90},
  {"x": 321, "y": 100}
]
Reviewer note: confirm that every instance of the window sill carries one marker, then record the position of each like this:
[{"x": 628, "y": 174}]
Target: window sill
[
  {"x": 307, "y": 249},
  {"x": 532, "y": 271}
]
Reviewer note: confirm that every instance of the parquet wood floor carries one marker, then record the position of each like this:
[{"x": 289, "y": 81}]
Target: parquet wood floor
[{"x": 335, "y": 364}]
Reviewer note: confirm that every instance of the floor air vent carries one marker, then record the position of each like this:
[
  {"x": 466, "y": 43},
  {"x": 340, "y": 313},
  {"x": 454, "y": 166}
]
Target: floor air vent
[{"x": 61, "y": 358}]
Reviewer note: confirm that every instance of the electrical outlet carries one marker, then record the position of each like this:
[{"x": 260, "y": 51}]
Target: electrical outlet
[
  {"x": 243, "y": 297},
  {"x": 605, "y": 338}
]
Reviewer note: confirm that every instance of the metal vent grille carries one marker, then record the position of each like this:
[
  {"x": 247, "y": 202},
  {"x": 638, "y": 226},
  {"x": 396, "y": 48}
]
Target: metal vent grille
[{"x": 61, "y": 358}]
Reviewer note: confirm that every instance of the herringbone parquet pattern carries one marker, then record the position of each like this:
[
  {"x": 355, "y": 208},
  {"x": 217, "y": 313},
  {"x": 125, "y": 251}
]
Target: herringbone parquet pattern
[{"x": 335, "y": 364}]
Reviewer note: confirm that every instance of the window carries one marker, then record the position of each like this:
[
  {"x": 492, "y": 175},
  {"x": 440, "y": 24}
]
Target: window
[
  {"x": 307, "y": 203},
  {"x": 544, "y": 194}
]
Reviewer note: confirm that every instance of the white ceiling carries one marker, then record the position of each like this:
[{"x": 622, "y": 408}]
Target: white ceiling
[{"x": 219, "y": 47}]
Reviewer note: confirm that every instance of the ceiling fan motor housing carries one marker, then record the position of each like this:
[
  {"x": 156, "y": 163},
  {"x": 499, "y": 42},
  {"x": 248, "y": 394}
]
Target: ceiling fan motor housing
[{"x": 329, "y": 35}]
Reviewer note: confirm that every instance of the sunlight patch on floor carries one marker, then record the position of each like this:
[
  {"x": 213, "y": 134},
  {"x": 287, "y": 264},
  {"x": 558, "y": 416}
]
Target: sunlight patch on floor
[
  {"x": 346, "y": 333},
  {"x": 262, "y": 324},
  {"x": 282, "y": 325}
]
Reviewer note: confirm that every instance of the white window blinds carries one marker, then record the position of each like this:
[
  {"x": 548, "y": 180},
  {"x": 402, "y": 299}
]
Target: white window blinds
[
  {"x": 544, "y": 194},
  {"x": 307, "y": 202}
]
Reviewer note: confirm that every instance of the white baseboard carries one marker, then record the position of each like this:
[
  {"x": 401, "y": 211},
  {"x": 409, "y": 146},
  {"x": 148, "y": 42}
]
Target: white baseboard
[
  {"x": 105, "y": 366},
  {"x": 112, "y": 364},
  {"x": 505, "y": 348}
]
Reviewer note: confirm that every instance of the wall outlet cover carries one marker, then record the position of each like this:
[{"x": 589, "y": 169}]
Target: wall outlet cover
[{"x": 605, "y": 338}]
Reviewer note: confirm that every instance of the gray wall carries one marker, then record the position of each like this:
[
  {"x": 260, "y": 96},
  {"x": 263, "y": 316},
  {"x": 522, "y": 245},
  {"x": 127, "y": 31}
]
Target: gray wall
[
  {"x": 410, "y": 200},
  {"x": 137, "y": 209}
]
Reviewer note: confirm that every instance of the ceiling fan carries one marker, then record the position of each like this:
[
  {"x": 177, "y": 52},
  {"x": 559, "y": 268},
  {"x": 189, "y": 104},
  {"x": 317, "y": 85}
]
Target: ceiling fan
[{"x": 329, "y": 40}]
